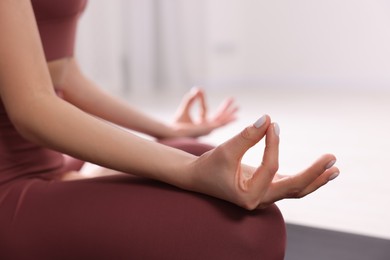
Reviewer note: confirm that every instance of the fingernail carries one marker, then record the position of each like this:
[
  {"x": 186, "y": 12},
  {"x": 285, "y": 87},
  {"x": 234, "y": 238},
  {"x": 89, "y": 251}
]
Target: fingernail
[
  {"x": 260, "y": 121},
  {"x": 276, "y": 129},
  {"x": 333, "y": 176},
  {"x": 330, "y": 164},
  {"x": 194, "y": 89}
]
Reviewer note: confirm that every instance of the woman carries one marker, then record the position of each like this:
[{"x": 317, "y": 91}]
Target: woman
[{"x": 50, "y": 211}]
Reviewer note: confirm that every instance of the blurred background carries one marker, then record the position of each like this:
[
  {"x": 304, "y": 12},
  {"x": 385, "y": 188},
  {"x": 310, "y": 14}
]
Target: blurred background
[{"x": 321, "y": 69}]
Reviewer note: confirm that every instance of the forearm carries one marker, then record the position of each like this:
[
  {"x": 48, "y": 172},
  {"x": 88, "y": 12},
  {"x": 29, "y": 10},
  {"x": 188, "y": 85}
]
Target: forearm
[
  {"x": 85, "y": 94},
  {"x": 69, "y": 130},
  {"x": 119, "y": 112},
  {"x": 27, "y": 94}
]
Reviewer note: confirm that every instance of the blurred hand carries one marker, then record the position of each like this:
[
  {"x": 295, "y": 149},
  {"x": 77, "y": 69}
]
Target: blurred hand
[
  {"x": 185, "y": 125},
  {"x": 220, "y": 173}
]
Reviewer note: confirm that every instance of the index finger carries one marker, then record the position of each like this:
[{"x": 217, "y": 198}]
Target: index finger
[
  {"x": 202, "y": 104},
  {"x": 265, "y": 173}
]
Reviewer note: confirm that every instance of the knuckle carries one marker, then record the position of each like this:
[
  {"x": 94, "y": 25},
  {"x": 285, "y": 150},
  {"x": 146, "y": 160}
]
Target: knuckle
[
  {"x": 274, "y": 167},
  {"x": 245, "y": 134},
  {"x": 271, "y": 168},
  {"x": 295, "y": 193}
]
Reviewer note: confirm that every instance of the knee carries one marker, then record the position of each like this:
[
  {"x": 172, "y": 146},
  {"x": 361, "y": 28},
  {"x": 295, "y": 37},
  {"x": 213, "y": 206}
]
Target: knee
[
  {"x": 259, "y": 234},
  {"x": 268, "y": 241},
  {"x": 276, "y": 234}
]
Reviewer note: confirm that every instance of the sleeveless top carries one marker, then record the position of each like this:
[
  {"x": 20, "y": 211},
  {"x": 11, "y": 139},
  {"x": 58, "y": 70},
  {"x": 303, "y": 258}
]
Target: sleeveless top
[
  {"x": 19, "y": 158},
  {"x": 57, "y": 22}
]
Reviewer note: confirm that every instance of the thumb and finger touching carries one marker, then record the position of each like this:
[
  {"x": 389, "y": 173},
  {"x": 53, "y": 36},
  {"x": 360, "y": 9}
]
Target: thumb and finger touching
[
  {"x": 263, "y": 183},
  {"x": 241, "y": 143},
  {"x": 265, "y": 173},
  {"x": 183, "y": 111},
  {"x": 225, "y": 112},
  {"x": 254, "y": 183}
]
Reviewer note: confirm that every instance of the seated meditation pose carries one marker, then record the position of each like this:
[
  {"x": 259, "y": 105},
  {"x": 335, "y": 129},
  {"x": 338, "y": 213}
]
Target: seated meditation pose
[{"x": 171, "y": 197}]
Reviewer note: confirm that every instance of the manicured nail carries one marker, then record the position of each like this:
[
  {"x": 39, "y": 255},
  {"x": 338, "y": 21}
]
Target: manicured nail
[
  {"x": 276, "y": 129},
  {"x": 194, "y": 89},
  {"x": 333, "y": 176},
  {"x": 260, "y": 121},
  {"x": 330, "y": 164}
]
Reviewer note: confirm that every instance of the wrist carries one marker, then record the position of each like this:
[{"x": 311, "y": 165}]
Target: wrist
[
  {"x": 165, "y": 131},
  {"x": 199, "y": 178},
  {"x": 207, "y": 177},
  {"x": 184, "y": 173},
  {"x": 171, "y": 131}
]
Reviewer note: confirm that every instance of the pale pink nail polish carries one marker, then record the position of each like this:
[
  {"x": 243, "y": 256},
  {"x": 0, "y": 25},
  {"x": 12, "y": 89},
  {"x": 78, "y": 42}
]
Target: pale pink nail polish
[
  {"x": 330, "y": 164},
  {"x": 276, "y": 129},
  {"x": 194, "y": 89},
  {"x": 333, "y": 176},
  {"x": 260, "y": 121}
]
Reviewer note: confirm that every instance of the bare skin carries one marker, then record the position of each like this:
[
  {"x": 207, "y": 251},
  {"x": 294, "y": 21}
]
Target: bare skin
[
  {"x": 74, "y": 86},
  {"x": 27, "y": 92}
]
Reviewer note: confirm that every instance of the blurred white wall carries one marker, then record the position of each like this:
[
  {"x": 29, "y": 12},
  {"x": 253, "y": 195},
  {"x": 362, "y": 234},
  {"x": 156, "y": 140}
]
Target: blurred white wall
[
  {"x": 151, "y": 45},
  {"x": 146, "y": 47},
  {"x": 100, "y": 43},
  {"x": 143, "y": 46},
  {"x": 302, "y": 42}
]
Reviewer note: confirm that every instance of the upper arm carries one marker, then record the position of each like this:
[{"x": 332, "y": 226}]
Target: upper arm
[{"x": 24, "y": 76}]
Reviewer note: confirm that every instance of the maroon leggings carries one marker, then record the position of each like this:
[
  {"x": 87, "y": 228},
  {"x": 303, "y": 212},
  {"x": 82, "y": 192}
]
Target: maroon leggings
[{"x": 128, "y": 217}]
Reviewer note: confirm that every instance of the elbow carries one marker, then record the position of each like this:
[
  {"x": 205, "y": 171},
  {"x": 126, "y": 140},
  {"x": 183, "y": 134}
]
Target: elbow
[
  {"x": 30, "y": 120},
  {"x": 24, "y": 125},
  {"x": 30, "y": 111}
]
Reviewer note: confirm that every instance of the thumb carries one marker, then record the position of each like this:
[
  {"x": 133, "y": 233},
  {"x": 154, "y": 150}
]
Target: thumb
[
  {"x": 251, "y": 135},
  {"x": 189, "y": 98},
  {"x": 183, "y": 110},
  {"x": 202, "y": 105}
]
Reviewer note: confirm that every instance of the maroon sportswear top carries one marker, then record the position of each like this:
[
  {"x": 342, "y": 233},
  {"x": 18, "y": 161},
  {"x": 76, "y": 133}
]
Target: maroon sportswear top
[
  {"x": 57, "y": 22},
  {"x": 113, "y": 217},
  {"x": 19, "y": 158}
]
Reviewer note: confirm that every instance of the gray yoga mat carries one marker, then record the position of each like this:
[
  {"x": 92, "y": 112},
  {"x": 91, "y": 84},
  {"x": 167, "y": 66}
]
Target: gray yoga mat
[{"x": 307, "y": 243}]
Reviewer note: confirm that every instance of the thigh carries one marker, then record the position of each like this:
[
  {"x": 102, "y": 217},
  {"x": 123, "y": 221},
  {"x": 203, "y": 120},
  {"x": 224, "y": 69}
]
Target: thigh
[{"x": 126, "y": 217}]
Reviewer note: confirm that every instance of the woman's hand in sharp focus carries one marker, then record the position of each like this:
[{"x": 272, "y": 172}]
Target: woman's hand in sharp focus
[{"x": 220, "y": 173}]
